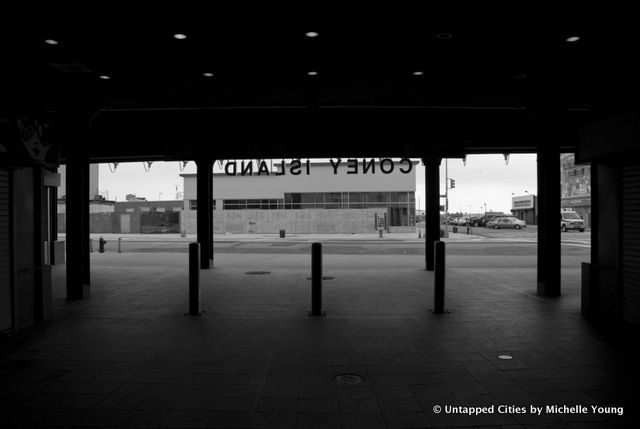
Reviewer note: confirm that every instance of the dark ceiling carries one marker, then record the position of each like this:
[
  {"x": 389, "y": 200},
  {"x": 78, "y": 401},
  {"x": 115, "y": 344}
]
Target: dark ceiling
[{"x": 483, "y": 83}]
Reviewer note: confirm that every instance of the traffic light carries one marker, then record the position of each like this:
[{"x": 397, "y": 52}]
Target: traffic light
[{"x": 453, "y": 184}]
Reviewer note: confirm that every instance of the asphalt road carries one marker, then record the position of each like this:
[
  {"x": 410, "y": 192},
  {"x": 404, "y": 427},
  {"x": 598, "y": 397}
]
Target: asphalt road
[{"x": 460, "y": 253}]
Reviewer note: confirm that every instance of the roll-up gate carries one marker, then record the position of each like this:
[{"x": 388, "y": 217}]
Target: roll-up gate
[
  {"x": 631, "y": 244},
  {"x": 6, "y": 286}
]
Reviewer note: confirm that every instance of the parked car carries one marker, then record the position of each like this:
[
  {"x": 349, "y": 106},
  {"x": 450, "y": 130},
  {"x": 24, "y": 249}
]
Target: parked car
[
  {"x": 569, "y": 219},
  {"x": 482, "y": 221},
  {"x": 506, "y": 222},
  {"x": 474, "y": 221},
  {"x": 454, "y": 220}
]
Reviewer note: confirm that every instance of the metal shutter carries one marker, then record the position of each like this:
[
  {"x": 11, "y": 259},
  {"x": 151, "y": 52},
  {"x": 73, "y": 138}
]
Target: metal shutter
[
  {"x": 6, "y": 286},
  {"x": 631, "y": 244}
]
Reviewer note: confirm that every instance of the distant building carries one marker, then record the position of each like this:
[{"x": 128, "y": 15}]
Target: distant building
[
  {"x": 575, "y": 193},
  {"x": 323, "y": 200},
  {"x": 132, "y": 197},
  {"x": 525, "y": 207},
  {"x": 575, "y": 187}
]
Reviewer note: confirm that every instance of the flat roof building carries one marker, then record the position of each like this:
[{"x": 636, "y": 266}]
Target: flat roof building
[{"x": 341, "y": 196}]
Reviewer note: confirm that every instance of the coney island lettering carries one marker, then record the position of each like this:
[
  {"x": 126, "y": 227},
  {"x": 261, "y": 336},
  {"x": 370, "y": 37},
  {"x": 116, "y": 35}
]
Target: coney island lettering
[{"x": 298, "y": 167}]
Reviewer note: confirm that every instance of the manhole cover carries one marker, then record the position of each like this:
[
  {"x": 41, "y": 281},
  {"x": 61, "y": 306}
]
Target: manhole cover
[
  {"x": 349, "y": 379},
  {"x": 505, "y": 357},
  {"x": 258, "y": 272},
  {"x": 323, "y": 278}
]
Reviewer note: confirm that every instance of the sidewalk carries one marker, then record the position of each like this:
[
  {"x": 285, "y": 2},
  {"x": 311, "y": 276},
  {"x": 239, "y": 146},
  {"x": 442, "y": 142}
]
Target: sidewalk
[
  {"x": 390, "y": 237},
  {"x": 128, "y": 357}
]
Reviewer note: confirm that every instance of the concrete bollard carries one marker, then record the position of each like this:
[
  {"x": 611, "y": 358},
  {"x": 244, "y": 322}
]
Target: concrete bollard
[
  {"x": 439, "y": 271},
  {"x": 119, "y": 244},
  {"x": 316, "y": 279},
  {"x": 194, "y": 279}
]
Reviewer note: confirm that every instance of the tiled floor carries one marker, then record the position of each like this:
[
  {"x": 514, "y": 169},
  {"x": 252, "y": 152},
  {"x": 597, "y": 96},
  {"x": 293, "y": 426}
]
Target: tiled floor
[{"x": 129, "y": 357}]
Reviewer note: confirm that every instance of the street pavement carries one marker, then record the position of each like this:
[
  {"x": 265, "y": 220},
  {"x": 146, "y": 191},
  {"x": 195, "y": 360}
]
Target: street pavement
[{"x": 528, "y": 235}]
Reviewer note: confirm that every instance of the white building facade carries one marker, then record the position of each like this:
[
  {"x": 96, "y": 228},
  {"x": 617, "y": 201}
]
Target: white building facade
[{"x": 309, "y": 197}]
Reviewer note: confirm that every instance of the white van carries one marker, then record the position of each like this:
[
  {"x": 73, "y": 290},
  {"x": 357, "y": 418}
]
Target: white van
[{"x": 569, "y": 219}]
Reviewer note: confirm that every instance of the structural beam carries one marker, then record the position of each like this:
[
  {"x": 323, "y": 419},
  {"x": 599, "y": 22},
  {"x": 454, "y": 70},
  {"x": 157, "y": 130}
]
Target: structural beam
[
  {"x": 204, "y": 183},
  {"x": 432, "y": 207}
]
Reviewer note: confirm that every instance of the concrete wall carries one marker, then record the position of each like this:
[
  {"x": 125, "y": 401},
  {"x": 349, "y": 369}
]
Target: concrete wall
[
  {"x": 107, "y": 223},
  {"x": 137, "y": 206},
  {"x": 304, "y": 221},
  {"x": 94, "y": 207}
]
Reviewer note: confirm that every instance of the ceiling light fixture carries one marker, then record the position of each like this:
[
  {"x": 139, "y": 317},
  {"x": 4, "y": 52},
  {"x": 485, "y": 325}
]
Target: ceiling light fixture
[
  {"x": 573, "y": 39},
  {"x": 51, "y": 42},
  {"x": 207, "y": 74},
  {"x": 444, "y": 36},
  {"x": 312, "y": 34},
  {"x": 418, "y": 73},
  {"x": 105, "y": 77},
  {"x": 312, "y": 73},
  {"x": 179, "y": 36}
]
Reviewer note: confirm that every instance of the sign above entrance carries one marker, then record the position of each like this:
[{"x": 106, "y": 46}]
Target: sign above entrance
[
  {"x": 297, "y": 167},
  {"x": 522, "y": 202}
]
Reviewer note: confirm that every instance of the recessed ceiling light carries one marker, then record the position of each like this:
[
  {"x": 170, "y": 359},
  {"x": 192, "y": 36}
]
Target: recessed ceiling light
[
  {"x": 573, "y": 39},
  {"x": 312, "y": 73},
  {"x": 51, "y": 42},
  {"x": 444, "y": 36},
  {"x": 312, "y": 34},
  {"x": 179, "y": 36},
  {"x": 207, "y": 74},
  {"x": 418, "y": 73},
  {"x": 105, "y": 77}
]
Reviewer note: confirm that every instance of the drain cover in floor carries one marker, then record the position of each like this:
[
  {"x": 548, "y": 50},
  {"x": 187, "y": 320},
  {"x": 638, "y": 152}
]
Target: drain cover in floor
[
  {"x": 348, "y": 379},
  {"x": 258, "y": 272},
  {"x": 323, "y": 278}
]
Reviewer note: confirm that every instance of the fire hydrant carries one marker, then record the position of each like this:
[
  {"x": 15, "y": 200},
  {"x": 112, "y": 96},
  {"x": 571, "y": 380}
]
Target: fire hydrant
[{"x": 101, "y": 244}]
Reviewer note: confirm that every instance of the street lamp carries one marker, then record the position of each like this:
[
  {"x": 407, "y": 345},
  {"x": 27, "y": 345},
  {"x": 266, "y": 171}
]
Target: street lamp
[{"x": 159, "y": 196}]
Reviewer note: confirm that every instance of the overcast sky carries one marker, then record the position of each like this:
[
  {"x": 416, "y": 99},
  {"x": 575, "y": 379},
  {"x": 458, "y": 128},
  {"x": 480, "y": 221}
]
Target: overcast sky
[{"x": 485, "y": 179}]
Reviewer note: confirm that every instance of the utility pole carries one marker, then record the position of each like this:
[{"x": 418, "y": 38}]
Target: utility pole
[{"x": 446, "y": 197}]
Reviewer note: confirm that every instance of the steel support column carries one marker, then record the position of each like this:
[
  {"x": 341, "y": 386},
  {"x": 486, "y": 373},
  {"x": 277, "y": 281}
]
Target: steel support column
[
  {"x": 548, "y": 219},
  {"x": 86, "y": 223},
  {"x": 204, "y": 181},
  {"x": 53, "y": 222},
  {"x": 432, "y": 207},
  {"x": 77, "y": 234}
]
